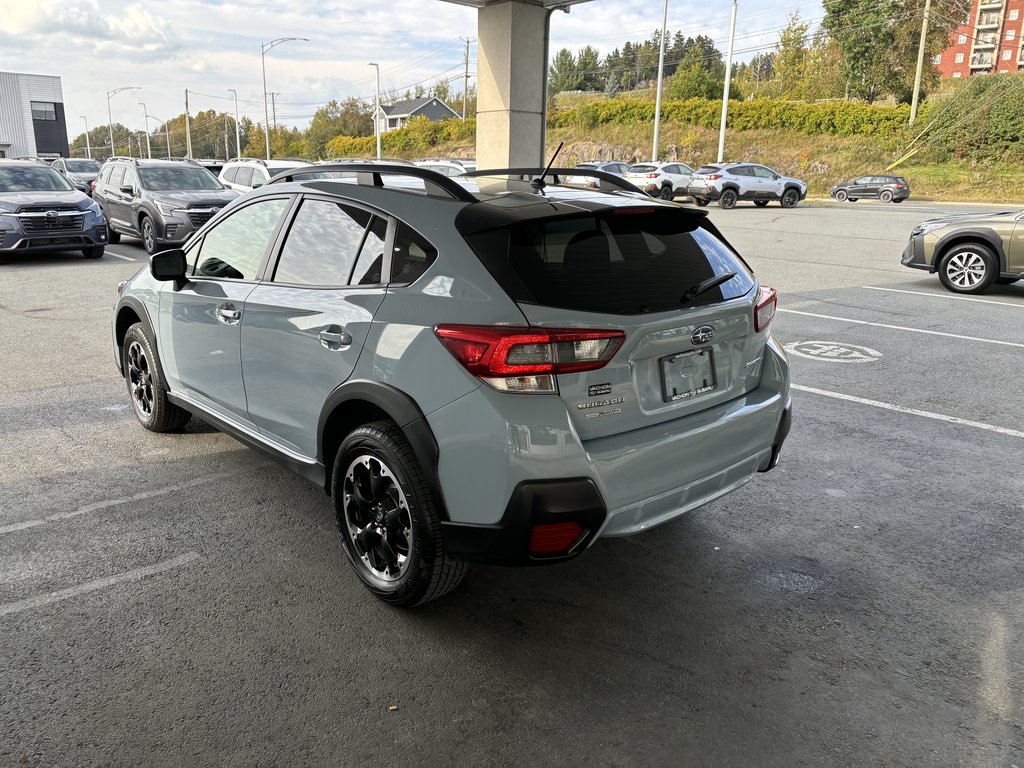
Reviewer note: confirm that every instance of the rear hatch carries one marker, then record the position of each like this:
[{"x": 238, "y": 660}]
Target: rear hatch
[
  {"x": 700, "y": 177},
  {"x": 643, "y": 174},
  {"x": 634, "y": 269}
]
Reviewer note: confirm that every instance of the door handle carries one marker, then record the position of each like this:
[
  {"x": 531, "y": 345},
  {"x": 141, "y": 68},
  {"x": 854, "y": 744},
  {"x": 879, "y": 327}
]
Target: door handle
[
  {"x": 334, "y": 340},
  {"x": 227, "y": 314}
]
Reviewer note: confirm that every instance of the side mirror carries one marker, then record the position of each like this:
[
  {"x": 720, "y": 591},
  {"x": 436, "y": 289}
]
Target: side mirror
[
  {"x": 169, "y": 265},
  {"x": 776, "y": 177},
  {"x": 127, "y": 189},
  {"x": 257, "y": 184}
]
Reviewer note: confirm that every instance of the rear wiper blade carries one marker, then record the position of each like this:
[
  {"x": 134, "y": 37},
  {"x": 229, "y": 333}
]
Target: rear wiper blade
[{"x": 712, "y": 282}]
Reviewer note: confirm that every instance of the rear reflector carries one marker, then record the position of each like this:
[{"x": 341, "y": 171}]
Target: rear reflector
[
  {"x": 765, "y": 309},
  {"x": 526, "y": 359},
  {"x": 554, "y": 538}
]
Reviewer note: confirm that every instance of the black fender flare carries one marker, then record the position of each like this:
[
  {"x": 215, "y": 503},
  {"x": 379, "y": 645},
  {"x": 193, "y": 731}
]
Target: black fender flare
[
  {"x": 121, "y": 326},
  {"x": 397, "y": 406},
  {"x": 984, "y": 235}
]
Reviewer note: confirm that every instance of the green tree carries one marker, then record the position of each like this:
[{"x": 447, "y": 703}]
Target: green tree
[
  {"x": 563, "y": 74},
  {"x": 351, "y": 117},
  {"x": 692, "y": 80},
  {"x": 878, "y": 41},
  {"x": 588, "y": 66},
  {"x": 790, "y": 59}
]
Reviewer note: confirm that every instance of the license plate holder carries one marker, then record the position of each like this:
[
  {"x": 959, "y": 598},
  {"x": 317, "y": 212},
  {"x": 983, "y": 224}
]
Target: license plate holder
[{"x": 688, "y": 374}]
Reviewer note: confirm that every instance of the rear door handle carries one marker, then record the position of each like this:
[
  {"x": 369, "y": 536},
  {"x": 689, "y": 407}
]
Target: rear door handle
[
  {"x": 228, "y": 314},
  {"x": 334, "y": 340}
]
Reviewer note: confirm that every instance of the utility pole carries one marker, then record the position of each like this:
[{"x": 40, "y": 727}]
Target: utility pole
[
  {"x": 920, "y": 62},
  {"x": 226, "y": 155},
  {"x": 661, "y": 77},
  {"x": 465, "y": 81},
  {"x": 238, "y": 139},
  {"x": 376, "y": 104},
  {"x": 728, "y": 79},
  {"x": 88, "y": 149},
  {"x": 188, "y": 129},
  {"x": 273, "y": 107}
]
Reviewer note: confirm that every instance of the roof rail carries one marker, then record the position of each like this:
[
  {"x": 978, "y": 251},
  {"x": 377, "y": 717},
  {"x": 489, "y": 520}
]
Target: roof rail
[
  {"x": 371, "y": 174},
  {"x": 532, "y": 173},
  {"x": 121, "y": 157}
]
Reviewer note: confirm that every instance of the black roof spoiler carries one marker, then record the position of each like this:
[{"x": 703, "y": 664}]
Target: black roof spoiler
[{"x": 371, "y": 174}]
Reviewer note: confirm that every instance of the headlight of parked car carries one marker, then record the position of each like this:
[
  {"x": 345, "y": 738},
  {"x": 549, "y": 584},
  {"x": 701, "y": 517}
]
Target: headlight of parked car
[
  {"x": 168, "y": 209},
  {"x": 928, "y": 226}
]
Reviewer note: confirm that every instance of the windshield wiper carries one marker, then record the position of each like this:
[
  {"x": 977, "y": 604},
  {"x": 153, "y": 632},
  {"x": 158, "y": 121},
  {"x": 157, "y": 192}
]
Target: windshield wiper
[{"x": 712, "y": 282}]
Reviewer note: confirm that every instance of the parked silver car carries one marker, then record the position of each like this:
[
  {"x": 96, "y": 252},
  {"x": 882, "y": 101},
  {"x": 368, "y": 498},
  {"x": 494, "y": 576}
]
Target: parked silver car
[
  {"x": 500, "y": 376},
  {"x": 729, "y": 183}
]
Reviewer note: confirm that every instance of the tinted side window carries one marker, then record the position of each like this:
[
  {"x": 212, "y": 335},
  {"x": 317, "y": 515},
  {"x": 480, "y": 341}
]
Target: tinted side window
[
  {"x": 229, "y": 174},
  {"x": 322, "y": 244},
  {"x": 116, "y": 174},
  {"x": 741, "y": 170},
  {"x": 863, "y": 180},
  {"x": 412, "y": 255},
  {"x": 370, "y": 264},
  {"x": 763, "y": 173},
  {"x": 244, "y": 177},
  {"x": 235, "y": 247},
  {"x": 129, "y": 179}
]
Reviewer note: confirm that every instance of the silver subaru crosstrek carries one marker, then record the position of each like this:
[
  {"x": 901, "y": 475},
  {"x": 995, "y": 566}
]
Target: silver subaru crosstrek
[{"x": 496, "y": 373}]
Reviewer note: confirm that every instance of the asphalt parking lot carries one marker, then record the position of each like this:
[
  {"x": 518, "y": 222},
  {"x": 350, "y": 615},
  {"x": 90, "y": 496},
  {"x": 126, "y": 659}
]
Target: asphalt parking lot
[{"x": 175, "y": 599}]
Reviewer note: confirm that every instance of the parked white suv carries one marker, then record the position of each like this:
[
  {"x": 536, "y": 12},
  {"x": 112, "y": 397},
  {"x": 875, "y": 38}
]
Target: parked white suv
[
  {"x": 729, "y": 182},
  {"x": 662, "y": 180},
  {"x": 243, "y": 174}
]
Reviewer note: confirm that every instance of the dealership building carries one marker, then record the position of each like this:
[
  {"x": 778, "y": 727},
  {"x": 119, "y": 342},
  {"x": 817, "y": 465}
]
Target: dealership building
[{"x": 32, "y": 121}]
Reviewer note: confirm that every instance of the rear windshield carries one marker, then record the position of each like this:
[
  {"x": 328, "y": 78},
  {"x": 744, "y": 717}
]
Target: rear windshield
[
  {"x": 901, "y": 180},
  {"x": 626, "y": 261},
  {"x": 708, "y": 169},
  {"x": 643, "y": 169}
]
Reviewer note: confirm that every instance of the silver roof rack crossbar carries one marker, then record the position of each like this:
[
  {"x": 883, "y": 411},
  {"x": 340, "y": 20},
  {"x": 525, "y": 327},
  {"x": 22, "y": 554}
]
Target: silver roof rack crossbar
[
  {"x": 371, "y": 174},
  {"x": 526, "y": 174}
]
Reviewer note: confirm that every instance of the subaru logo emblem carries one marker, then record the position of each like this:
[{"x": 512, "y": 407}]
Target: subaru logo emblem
[
  {"x": 703, "y": 335},
  {"x": 52, "y": 214},
  {"x": 214, "y": 210}
]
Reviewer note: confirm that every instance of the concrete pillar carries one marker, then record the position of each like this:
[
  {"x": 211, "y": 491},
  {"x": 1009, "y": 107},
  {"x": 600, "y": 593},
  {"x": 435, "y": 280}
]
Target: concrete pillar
[{"x": 511, "y": 85}]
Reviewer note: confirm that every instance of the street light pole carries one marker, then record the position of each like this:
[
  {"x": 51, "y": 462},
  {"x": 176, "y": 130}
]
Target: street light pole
[
  {"x": 149, "y": 152},
  {"x": 376, "y": 108},
  {"x": 661, "y": 77},
  {"x": 264, "y": 47},
  {"x": 728, "y": 78},
  {"x": 110, "y": 121},
  {"x": 238, "y": 140},
  {"x": 88, "y": 149},
  {"x": 167, "y": 133}
]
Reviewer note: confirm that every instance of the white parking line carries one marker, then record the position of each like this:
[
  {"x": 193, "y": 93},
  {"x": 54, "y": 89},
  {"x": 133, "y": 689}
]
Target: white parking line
[
  {"x": 111, "y": 503},
  {"x": 63, "y": 594},
  {"x": 945, "y": 296},
  {"x": 904, "y": 328},
  {"x": 119, "y": 256},
  {"x": 909, "y": 411}
]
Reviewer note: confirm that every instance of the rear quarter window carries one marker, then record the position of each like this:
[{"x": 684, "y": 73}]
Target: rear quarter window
[{"x": 623, "y": 261}]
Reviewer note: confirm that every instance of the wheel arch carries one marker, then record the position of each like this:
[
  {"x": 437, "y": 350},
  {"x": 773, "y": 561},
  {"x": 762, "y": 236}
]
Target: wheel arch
[
  {"x": 983, "y": 235},
  {"x": 362, "y": 401},
  {"x": 129, "y": 312}
]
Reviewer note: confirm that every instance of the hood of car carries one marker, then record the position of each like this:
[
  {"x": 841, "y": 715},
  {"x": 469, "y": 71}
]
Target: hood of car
[
  {"x": 996, "y": 220},
  {"x": 19, "y": 199},
  {"x": 185, "y": 198}
]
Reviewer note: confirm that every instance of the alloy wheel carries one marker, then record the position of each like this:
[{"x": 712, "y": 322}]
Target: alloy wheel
[
  {"x": 966, "y": 270},
  {"x": 148, "y": 236},
  {"x": 140, "y": 380},
  {"x": 377, "y": 518}
]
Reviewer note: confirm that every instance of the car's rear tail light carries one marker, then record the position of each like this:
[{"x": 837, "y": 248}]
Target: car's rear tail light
[
  {"x": 765, "y": 309},
  {"x": 713, "y": 176},
  {"x": 526, "y": 359},
  {"x": 653, "y": 175},
  {"x": 553, "y": 538}
]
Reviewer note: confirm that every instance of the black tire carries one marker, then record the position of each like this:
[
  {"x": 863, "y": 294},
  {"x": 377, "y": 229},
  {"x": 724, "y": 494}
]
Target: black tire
[
  {"x": 854, "y": 199},
  {"x": 701, "y": 202},
  {"x": 148, "y": 230},
  {"x": 886, "y": 196},
  {"x": 898, "y": 199},
  {"x": 146, "y": 386},
  {"x": 760, "y": 203},
  {"x": 728, "y": 199},
  {"x": 790, "y": 198},
  {"x": 384, "y": 507},
  {"x": 1007, "y": 280},
  {"x": 113, "y": 237},
  {"x": 96, "y": 252},
  {"x": 968, "y": 268},
  {"x": 667, "y": 193},
  {"x": 842, "y": 195}
]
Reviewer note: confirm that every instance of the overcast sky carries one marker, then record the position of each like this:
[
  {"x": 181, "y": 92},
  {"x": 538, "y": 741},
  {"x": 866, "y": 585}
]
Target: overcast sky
[{"x": 209, "y": 46}]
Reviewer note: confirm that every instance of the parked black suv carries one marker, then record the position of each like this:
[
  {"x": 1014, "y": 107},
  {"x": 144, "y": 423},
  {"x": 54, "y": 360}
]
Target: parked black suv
[
  {"x": 80, "y": 172},
  {"x": 162, "y": 201},
  {"x": 885, "y": 188}
]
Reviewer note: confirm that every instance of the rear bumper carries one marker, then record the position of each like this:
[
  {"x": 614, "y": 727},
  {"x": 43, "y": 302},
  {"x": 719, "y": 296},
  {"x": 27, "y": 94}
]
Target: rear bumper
[
  {"x": 704, "y": 193},
  {"x": 510, "y": 462}
]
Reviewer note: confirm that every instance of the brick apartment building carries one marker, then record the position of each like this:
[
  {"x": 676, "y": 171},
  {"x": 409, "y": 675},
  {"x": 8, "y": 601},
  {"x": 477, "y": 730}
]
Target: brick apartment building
[{"x": 989, "y": 40}]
